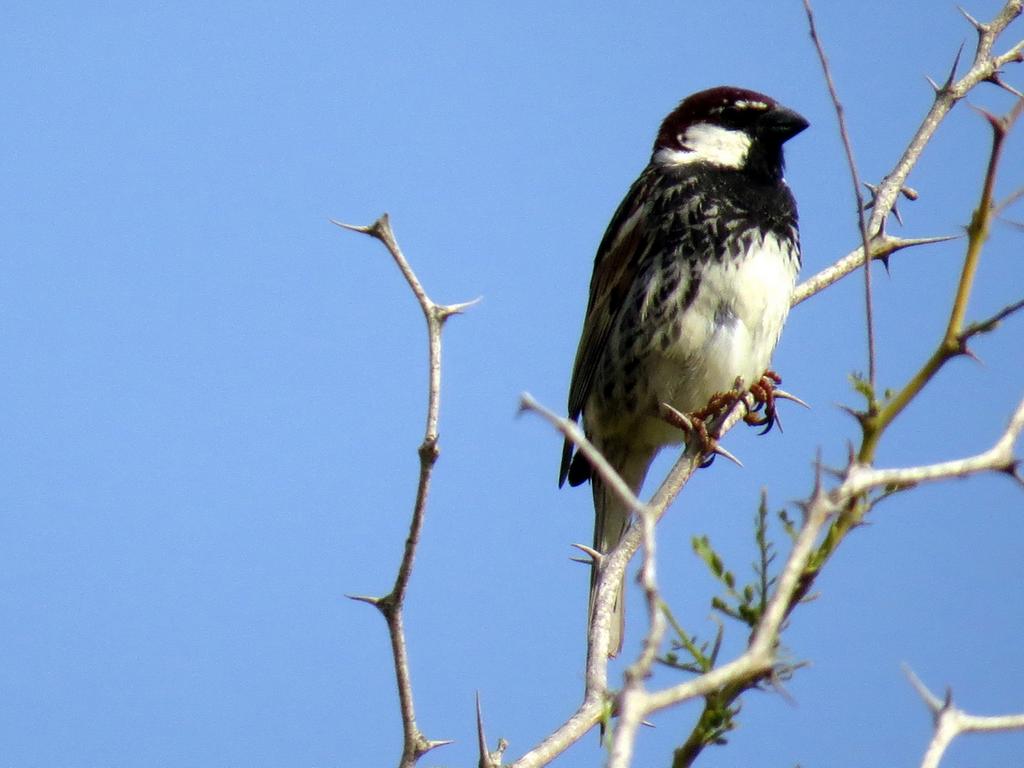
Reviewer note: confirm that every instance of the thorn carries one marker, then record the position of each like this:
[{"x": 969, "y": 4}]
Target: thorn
[
  {"x": 893, "y": 244},
  {"x": 971, "y": 20},
  {"x": 888, "y": 245},
  {"x": 873, "y": 188},
  {"x": 593, "y": 554},
  {"x": 780, "y": 689},
  {"x": 952, "y": 72},
  {"x": 353, "y": 227},
  {"x": 933, "y": 84},
  {"x": 458, "y": 309},
  {"x": 850, "y": 411},
  {"x": 676, "y": 417},
  {"x": 1013, "y": 470},
  {"x": 374, "y": 601},
  {"x": 716, "y": 448},
  {"x": 781, "y": 394},
  {"x": 996, "y": 123},
  {"x": 485, "y": 758},
  {"x": 997, "y": 80},
  {"x": 447, "y": 310},
  {"x": 647, "y": 724},
  {"x": 817, "y": 489},
  {"x": 378, "y": 229},
  {"x": 434, "y": 744},
  {"x": 930, "y": 699},
  {"x": 837, "y": 473}
]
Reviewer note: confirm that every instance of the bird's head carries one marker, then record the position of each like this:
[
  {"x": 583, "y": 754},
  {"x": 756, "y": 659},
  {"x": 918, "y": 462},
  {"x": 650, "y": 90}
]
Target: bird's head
[{"x": 728, "y": 127}]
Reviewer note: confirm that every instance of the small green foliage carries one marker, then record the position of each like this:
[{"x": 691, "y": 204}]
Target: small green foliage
[
  {"x": 703, "y": 655},
  {"x": 862, "y": 386},
  {"x": 746, "y": 603},
  {"x": 717, "y": 719},
  {"x": 788, "y": 525},
  {"x": 702, "y": 546}
]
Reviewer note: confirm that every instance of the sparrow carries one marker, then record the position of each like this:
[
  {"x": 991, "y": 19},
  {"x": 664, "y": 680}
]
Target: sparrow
[{"x": 690, "y": 290}]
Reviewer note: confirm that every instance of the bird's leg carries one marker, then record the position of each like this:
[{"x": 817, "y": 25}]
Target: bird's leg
[{"x": 763, "y": 391}]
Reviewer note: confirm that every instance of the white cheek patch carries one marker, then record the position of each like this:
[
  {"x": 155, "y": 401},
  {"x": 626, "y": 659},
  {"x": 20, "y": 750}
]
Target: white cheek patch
[{"x": 707, "y": 143}]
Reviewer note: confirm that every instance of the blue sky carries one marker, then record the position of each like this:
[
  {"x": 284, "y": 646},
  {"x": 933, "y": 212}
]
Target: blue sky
[{"x": 212, "y": 397}]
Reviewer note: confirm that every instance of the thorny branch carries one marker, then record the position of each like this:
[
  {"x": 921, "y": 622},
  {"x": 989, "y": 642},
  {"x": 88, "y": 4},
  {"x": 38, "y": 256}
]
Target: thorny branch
[
  {"x": 580, "y": 722},
  {"x": 758, "y": 660},
  {"x": 634, "y": 703},
  {"x": 415, "y": 744},
  {"x": 951, "y": 721},
  {"x": 954, "y": 342},
  {"x": 986, "y": 67}
]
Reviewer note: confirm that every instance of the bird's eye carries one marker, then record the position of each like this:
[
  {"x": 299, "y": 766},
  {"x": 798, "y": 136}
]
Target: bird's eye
[{"x": 733, "y": 115}]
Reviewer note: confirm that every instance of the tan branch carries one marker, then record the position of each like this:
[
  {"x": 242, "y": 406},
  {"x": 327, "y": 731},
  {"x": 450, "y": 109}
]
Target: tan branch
[
  {"x": 950, "y": 721},
  {"x": 589, "y": 712},
  {"x": 415, "y": 744}
]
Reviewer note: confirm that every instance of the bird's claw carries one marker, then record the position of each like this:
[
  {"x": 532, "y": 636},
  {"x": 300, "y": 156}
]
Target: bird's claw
[
  {"x": 764, "y": 413},
  {"x": 695, "y": 425},
  {"x": 692, "y": 424},
  {"x": 761, "y": 413}
]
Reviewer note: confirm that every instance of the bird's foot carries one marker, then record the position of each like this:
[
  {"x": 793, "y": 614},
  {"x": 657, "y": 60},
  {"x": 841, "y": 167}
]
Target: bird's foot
[
  {"x": 763, "y": 412},
  {"x": 696, "y": 426}
]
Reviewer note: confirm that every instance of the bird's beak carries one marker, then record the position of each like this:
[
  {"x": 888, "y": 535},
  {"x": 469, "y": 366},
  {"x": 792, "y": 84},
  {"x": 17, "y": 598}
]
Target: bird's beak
[{"x": 784, "y": 123}]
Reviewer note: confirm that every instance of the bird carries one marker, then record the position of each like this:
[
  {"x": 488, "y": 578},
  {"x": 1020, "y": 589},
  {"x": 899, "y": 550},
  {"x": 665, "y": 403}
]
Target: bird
[{"x": 690, "y": 289}]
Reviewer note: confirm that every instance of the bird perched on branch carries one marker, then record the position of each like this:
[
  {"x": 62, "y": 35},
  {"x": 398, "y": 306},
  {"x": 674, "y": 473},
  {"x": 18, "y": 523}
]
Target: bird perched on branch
[{"x": 691, "y": 287}]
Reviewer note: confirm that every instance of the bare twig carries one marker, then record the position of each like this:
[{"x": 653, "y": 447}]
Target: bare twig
[
  {"x": 632, "y": 696},
  {"x": 990, "y": 323},
  {"x": 415, "y": 744},
  {"x": 571, "y": 430},
  {"x": 858, "y": 196}
]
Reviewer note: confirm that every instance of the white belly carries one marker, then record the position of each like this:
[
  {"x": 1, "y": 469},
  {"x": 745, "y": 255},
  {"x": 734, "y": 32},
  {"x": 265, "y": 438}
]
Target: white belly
[{"x": 731, "y": 328}]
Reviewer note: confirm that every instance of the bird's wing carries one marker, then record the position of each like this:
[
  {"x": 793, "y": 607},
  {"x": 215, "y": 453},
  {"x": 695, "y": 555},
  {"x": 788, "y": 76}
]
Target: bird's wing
[{"x": 618, "y": 258}]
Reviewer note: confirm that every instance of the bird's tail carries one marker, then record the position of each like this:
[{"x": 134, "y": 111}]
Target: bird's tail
[{"x": 611, "y": 518}]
